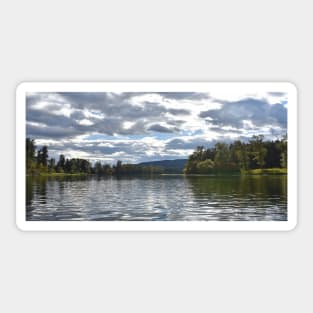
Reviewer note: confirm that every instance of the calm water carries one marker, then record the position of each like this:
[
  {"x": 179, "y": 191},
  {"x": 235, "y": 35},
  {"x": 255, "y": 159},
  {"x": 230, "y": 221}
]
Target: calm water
[{"x": 169, "y": 198}]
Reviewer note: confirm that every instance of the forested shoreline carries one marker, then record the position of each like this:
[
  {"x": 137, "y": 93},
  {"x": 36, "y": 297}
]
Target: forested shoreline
[
  {"x": 254, "y": 157},
  {"x": 39, "y": 163}
]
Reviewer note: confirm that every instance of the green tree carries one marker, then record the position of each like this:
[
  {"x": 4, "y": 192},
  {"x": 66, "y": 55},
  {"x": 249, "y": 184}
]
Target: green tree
[
  {"x": 241, "y": 156},
  {"x": 118, "y": 168},
  {"x": 283, "y": 155},
  {"x": 30, "y": 149},
  {"x": 51, "y": 165},
  {"x": 107, "y": 170},
  {"x": 30, "y": 155},
  {"x": 44, "y": 155},
  {"x": 258, "y": 150},
  {"x": 191, "y": 166},
  {"x": 222, "y": 156},
  {"x": 98, "y": 168},
  {"x": 205, "y": 167},
  {"x": 61, "y": 163}
]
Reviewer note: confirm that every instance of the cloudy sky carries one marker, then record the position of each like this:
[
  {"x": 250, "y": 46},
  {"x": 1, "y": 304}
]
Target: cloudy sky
[{"x": 136, "y": 127}]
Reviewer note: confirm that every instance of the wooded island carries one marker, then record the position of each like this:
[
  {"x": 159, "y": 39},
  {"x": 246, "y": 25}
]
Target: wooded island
[{"x": 255, "y": 157}]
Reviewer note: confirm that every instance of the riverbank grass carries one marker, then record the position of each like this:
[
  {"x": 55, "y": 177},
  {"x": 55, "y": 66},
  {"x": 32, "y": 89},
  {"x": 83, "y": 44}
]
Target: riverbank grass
[
  {"x": 62, "y": 174},
  {"x": 265, "y": 171}
]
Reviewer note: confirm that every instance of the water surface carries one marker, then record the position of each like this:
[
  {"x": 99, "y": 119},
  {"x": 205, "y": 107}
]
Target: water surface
[{"x": 164, "y": 198}]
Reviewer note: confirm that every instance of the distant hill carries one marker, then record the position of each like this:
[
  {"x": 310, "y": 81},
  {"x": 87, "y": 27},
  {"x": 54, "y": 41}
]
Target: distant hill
[{"x": 169, "y": 166}]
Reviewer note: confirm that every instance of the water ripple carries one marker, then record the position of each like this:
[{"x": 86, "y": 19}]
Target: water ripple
[{"x": 177, "y": 198}]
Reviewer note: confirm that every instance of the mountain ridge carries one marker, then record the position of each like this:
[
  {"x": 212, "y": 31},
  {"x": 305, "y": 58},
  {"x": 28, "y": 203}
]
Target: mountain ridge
[{"x": 172, "y": 166}]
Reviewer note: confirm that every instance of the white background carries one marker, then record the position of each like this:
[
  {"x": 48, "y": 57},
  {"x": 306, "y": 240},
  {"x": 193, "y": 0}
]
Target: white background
[{"x": 155, "y": 41}]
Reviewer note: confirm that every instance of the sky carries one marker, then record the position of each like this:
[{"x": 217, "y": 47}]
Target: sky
[{"x": 137, "y": 127}]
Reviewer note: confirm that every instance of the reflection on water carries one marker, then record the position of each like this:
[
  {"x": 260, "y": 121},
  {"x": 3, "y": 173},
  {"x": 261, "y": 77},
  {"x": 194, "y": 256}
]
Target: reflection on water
[{"x": 165, "y": 198}]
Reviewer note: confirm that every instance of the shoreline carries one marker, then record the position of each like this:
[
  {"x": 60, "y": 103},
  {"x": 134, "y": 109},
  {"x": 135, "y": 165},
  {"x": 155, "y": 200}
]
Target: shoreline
[{"x": 252, "y": 172}]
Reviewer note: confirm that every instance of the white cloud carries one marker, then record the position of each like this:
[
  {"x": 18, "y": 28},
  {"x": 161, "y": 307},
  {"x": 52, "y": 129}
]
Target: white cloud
[
  {"x": 128, "y": 125},
  {"x": 140, "y": 127},
  {"x": 85, "y": 122}
]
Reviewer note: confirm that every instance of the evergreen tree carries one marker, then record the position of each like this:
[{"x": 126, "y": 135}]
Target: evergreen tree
[
  {"x": 61, "y": 163},
  {"x": 258, "y": 150}
]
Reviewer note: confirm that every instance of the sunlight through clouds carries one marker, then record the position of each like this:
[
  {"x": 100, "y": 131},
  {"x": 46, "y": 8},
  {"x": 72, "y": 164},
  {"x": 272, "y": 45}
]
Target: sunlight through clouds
[{"x": 145, "y": 126}]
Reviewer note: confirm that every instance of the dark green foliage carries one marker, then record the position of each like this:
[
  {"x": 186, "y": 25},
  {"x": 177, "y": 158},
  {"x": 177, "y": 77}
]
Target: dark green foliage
[
  {"x": 118, "y": 168},
  {"x": 30, "y": 149},
  {"x": 238, "y": 156},
  {"x": 61, "y": 163},
  {"x": 42, "y": 156},
  {"x": 205, "y": 167},
  {"x": 283, "y": 154},
  {"x": 222, "y": 158},
  {"x": 41, "y": 165},
  {"x": 30, "y": 156},
  {"x": 258, "y": 150},
  {"x": 98, "y": 169}
]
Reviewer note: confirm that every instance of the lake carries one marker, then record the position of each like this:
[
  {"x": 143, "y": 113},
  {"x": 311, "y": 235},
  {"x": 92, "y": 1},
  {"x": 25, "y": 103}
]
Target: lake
[{"x": 162, "y": 198}]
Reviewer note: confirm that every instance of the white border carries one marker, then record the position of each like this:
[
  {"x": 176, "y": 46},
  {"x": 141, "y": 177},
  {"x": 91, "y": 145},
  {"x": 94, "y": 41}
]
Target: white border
[{"x": 22, "y": 224}]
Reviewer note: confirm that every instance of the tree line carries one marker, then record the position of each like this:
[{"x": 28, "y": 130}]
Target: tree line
[
  {"x": 238, "y": 156},
  {"x": 38, "y": 162}
]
